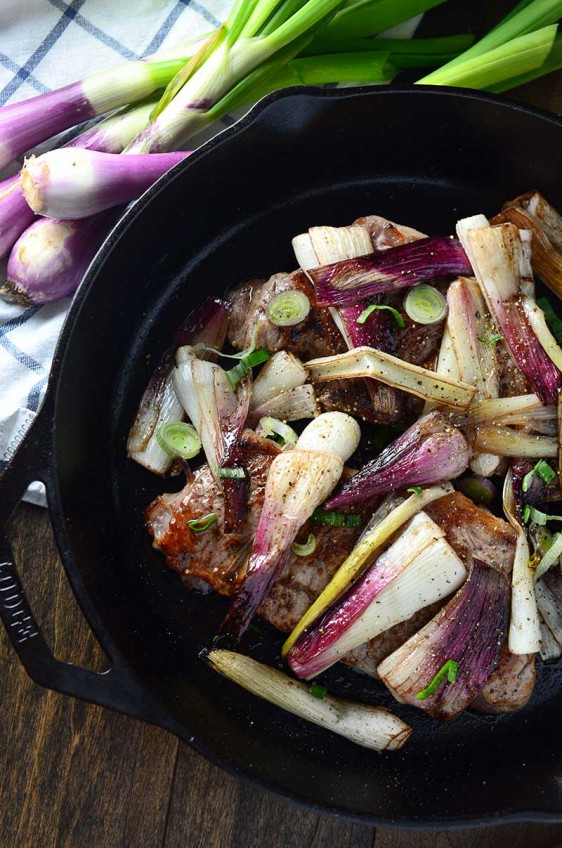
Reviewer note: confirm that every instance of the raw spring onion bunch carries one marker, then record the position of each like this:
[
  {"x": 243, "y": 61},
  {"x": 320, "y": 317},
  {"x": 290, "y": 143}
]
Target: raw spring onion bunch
[{"x": 261, "y": 47}]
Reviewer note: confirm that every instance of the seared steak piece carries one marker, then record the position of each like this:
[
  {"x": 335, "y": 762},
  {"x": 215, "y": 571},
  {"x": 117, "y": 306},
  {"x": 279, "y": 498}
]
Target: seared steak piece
[
  {"x": 474, "y": 533},
  {"x": 512, "y": 381},
  {"x": 510, "y": 686},
  {"x": 219, "y": 559},
  {"x": 385, "y": 233},
  {"x": 316, "y": 336}
]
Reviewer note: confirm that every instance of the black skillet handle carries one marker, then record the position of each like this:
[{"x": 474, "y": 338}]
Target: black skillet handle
[{"x": 114, "y": 688}]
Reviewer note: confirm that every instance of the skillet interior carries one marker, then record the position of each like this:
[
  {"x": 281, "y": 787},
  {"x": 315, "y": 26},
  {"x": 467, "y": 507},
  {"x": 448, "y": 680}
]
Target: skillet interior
[{"x": 423, "y": 157}]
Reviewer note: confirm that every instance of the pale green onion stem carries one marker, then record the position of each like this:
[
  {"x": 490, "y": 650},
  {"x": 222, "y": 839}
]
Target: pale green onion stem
[
  {"x": 518, "y": 56},
  {"x": 524, "y": 19},
  {"x": 363, "y": 724}
]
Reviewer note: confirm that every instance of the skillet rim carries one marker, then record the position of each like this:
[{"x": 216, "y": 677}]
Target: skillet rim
[{"x": 87, "y": 603}]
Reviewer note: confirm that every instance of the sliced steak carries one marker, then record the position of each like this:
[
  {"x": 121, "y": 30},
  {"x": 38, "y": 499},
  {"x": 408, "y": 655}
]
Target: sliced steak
[
  {"x": 474, "y": 533},
  {"x": 510, "y": 686},
  {"x": 316, "y": 336}
]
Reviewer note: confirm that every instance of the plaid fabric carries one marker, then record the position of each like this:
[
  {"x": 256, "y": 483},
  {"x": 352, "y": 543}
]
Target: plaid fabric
[{"x": 45, "y": 44}]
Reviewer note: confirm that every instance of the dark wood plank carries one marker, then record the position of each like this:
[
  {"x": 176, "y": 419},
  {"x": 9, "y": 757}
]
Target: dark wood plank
[
  {"x": 209, "y": 807},
  {"x": 72, "y": 774}
]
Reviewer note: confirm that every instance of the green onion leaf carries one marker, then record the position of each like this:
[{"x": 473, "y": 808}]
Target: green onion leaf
[
  {"x": 527, "y": 480},
  {"x": 318, "y": 690},
  {"x": 257, "y": 357},
  {"x": 237, "y": 374},
  {"x": 425, "y": 305},
  {"x": 177, "y": 438},
  {"x": 370, "y": 309},
  {"x": 247, "y": 362},
  {"x": 288, "y": 308},
  {"x": 552, "y": 319},
  {"x": 551, "y": 556},
  {"x": 490, "y": 340},
  {"x": 530, "y": 514},
  {"x": 448, "y": 670},
  {"x": 199, "y": 525},
  {"x": 231, "y": 473},
  {"x": 306, "y": 548},
  {"x": 544, "y": 471},
  {"x": 336, "y": 519},
  {"x": 415, "y": 490}
]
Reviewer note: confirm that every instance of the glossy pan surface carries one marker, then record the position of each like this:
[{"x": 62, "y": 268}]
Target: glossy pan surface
[{"x": 423, "y": 157}]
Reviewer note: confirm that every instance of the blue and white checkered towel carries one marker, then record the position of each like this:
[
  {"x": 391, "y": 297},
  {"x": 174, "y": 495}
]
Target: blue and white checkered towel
[{"x": 45, "y": 44}]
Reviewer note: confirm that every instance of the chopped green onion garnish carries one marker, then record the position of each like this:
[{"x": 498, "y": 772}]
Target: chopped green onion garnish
[
  {"x": 490, "y": 340},
  {"x": 318, "y": 690},
  {"x": 237, "y": 374},
  {"x": 527, "y": 480},
  {"x": 277, "y": 431},
  {"x": 530, "y": 514},
  {"x": 178, "y": 438},
  {"x": 199, "y": 525},
  {"x": 256, "y": 357},
  {"x": 415, "y": 490},
  {"x": 551, "y": 556},
  {"x": 336, "y": 519},
  {"x": 552, "y": 319},
  {"x": 231, "y": 473},
  {"x": 374, "y": 306},
  {"x": 425, "y": 305},
  {"x": 288, "y": 308},
  {"x": 215, "y": 639},
  {"x": 306, "y": 548},
  {"x": 544, "y": 471},
  {"x": 448, "y": 670}
]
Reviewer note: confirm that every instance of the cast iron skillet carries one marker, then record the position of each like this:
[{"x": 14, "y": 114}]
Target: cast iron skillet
[{"x": 303, "y": 157}]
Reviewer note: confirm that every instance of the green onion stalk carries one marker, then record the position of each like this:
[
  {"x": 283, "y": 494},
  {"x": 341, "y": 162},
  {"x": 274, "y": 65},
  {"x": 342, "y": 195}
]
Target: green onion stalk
[{"x": 240, "y": 47}]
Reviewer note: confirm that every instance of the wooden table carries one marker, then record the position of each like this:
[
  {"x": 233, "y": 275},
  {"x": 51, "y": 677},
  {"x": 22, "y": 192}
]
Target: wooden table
[{"x": 77, "y": 776}]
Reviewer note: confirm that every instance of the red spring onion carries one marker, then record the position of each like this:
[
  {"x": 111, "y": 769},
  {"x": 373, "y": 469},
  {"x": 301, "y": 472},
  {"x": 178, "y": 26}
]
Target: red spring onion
[
  {"x": 470, "y": 630},
  {"x": 72, "y": 184},
  {"x": 50, "y": 258},
  {"x": 159, "y": 403},
  {"x": 398, "y": 267},
  {"x": 299, "y": 480},
  {"x": 418, "y": 569},
  {"x": 389, "y": 518},
  {"x": 24, "y": 125},
  {"x": 109, "y": 136},
  {"x": 428, "y": 452},
  {"x": 499, "y": 259}
]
